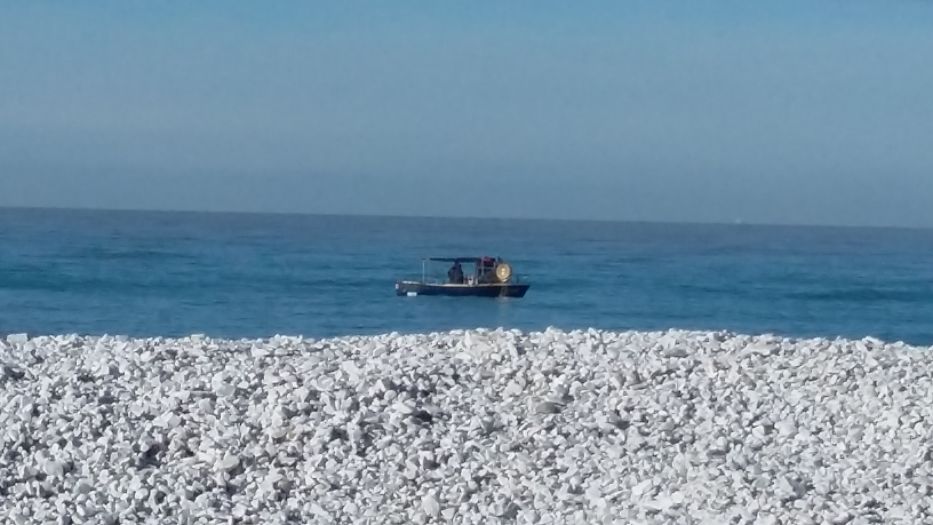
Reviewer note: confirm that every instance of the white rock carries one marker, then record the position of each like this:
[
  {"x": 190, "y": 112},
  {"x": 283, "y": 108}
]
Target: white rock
[
  {"x": 17, "y": 339},
  {"x": 786, "y": 428},
  {"x": 404, "y": 407},
  {"x": 351, "y": 369},
  {"x": 228, "y": 462},
  {"x": 552, "y": 427},
  {"x": 54, "y": 468},
  {"x": 224, "y": 390},
  {"x": 512, "y": 389},
  {"x": 787, "y": 488},
  {"x": 83, "y": 486},
  {"x": 430, "y": 505}
]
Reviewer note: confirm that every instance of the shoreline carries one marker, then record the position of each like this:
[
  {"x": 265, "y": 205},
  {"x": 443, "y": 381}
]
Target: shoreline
[
  {"x": 469, "y": 426},
  {"x": 460, "y": 332}
]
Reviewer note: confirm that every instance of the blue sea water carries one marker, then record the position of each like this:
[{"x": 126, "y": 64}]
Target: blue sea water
[{"x": 247, "y": 275}]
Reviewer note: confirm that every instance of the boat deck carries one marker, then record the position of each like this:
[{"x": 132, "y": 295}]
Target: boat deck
[{"x": 465, "y": 289}]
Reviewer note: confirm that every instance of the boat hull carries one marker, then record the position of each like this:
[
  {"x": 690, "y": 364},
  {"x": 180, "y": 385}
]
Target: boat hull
[{"x": 462, "y": 290}]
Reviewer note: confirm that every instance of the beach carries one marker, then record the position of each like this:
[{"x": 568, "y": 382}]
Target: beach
[
  {"x": 390, "y": 263},
  {"x": 479, "y": 426}
]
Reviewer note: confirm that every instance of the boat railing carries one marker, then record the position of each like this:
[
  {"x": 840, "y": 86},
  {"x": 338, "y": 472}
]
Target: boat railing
[{"x": 469, "y": 278}]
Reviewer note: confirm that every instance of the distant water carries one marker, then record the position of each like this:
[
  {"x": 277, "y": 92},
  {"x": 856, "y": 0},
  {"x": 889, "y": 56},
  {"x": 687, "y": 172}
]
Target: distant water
[{"x": 241, "y": 275}]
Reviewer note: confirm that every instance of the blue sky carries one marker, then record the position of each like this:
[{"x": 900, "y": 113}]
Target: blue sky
[{"x": 785, "y": 112}]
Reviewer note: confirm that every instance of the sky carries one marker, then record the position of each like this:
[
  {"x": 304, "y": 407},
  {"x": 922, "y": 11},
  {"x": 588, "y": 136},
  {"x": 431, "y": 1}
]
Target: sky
[{"x": 791, "y": 112}]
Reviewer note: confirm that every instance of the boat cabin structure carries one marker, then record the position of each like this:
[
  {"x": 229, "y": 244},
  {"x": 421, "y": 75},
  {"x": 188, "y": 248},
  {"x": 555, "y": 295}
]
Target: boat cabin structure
[{"x": 466, "y": 276}]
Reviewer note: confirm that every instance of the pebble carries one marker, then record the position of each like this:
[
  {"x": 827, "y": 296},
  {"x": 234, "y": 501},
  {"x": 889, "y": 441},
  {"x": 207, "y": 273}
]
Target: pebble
[
  {"x": 547, "y": 407},
  {"x": 17, "y": 339},
  {"x": 430, "y": 505},
  {"x": 83, "y": 487},
  {"x": 11, "y": 372},
  {"x": 466, "y": 427},
  {"x": 228, "y": 462},
  {"x": 54, "y": 468}
]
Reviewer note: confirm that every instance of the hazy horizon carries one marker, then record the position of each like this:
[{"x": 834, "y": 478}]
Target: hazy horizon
[
  {"x": 183, "y": 211},
  {"x": 789, "y": 114}
]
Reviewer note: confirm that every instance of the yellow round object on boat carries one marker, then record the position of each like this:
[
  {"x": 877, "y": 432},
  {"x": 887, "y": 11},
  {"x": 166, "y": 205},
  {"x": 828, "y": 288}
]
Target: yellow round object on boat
[{"x": 503, "y": 272}]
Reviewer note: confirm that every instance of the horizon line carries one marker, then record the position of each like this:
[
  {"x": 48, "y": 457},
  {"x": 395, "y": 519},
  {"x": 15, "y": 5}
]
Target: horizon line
[{"x": 738, "y": 222}]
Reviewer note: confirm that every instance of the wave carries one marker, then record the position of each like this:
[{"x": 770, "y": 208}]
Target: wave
[
  {"x": 133, "y": 254},
  {"x": 864, "y": 294}
]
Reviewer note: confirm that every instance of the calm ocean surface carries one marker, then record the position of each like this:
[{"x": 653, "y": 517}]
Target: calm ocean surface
[{"x": 241, "y": 275}]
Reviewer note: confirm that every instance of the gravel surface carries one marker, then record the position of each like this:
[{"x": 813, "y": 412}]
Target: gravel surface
[{"x": 466, "y": 427}]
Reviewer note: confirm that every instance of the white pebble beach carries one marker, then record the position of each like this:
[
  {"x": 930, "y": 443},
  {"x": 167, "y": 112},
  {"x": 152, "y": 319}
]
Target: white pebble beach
[{"x": 481, "y": 426}]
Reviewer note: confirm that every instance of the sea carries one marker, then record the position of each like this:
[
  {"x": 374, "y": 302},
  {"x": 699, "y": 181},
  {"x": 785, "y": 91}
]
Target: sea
[{"x": 238, "y": 275}]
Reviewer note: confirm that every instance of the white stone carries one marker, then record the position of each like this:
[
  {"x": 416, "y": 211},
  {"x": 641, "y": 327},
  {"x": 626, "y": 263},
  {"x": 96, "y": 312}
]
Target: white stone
[
  {"x": 430, "y": 505},
  {"x": 351, "y": 369},
  {"x": 54, "y": 468},
  {"x": 224, "y": 390},
  {"x": 228, "y": 462},
  {"x": 83, "y": 486},
  {"x": 512, "y": 389},
  {"x": 786, "y": 428},
  {"x": 583, "y": 426},
  {"x": 17, "y": 339},
  {"x": 404, "y": 407}
]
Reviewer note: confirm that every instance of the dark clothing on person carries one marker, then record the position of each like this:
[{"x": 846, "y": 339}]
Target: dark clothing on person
[
  {"x": 487, "y": 270},
  {"x": 455, "y": 274}
]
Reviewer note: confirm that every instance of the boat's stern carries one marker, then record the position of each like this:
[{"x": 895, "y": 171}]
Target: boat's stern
[{"x": 407, "y": 288}]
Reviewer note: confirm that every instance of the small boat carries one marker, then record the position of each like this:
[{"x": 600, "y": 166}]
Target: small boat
[{"x": 491, "y": 277}]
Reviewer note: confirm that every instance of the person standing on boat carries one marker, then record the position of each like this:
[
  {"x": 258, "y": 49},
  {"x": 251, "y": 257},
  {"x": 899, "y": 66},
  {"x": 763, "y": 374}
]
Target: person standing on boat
[
  {"x": 487, "y": 270},
  {"x": 455, "y": 274}
]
